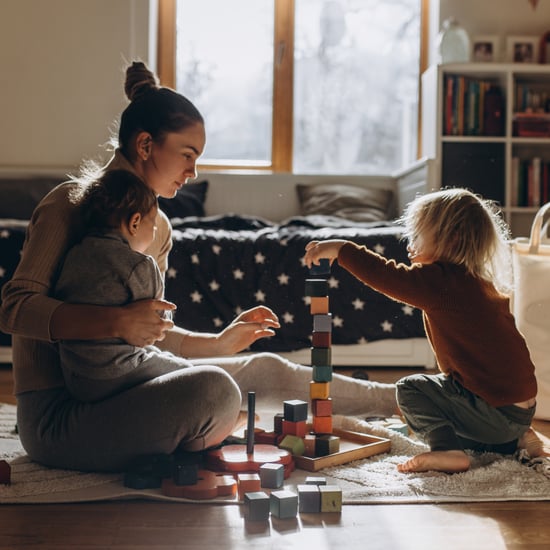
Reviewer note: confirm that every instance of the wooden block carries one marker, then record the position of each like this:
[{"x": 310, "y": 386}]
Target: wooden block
[
  {"x": 208, "y": 486},
  {"x": 326, "y": 444},
  {"x": 321, "y": 357},
  {"x": 319, "y": 305},
  {"x": 138, "y": 480},
  {"x": 293, "y": 444},
  {"x": 331, "y": 498},
  {"x": 309, "y": 499},
  {"x": 272, "y": 475},
  {"x": 321, "y": 339},
  {"x": 283, "y": 504},
  {"x": 267, "y": 438},
  {"x": 322, "y": 424},
  {"x": 323, "y": 268},
  {"x": 319, "y": 390},
  {"x": 5, "y": 472},
  {"x": 256, "y": 506},
  {"x": 185, "y": 474},
  {"x": 309, "y": 445},
  {"x": 322, "y": 323},
  {"x": 321, "y": 407},
  {"x": 295, "y": 428},
  {"x": 295, "y": 410},
  {"x": 316, "y": 287},
  {"x": 322, "y": 373},
  {"x": 316, "y": 480},
  {"x": 248, "y": 483},
  {"x": 278, "y": 423}
]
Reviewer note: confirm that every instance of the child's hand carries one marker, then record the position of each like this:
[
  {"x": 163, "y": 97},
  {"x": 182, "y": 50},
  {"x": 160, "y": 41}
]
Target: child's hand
[{"x": 317, "y": 250}]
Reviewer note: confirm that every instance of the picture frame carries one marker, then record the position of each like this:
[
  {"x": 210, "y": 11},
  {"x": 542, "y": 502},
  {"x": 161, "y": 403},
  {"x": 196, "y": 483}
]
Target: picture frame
[
  {"x": 485, "y": 48},
  {"x": 522, "y": 49}
]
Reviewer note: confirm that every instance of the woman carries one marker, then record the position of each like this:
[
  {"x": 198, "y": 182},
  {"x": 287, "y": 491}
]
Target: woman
[{"x": 161, "y": 136}]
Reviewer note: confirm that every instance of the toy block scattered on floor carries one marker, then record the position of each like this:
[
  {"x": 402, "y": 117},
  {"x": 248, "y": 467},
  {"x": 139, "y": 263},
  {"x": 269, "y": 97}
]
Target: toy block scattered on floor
[
  {"x": 331, "y": 498},
  {"x": 5, "y": 472},
  {"x": 272, "y": 476},
  {"x": 316, "y": 480},
  {"x": 248, "y": 483},
  {"x": 309, "y": 499},
  {"x": 256, "y": 506},
  {"x": 283, "y": 504}
]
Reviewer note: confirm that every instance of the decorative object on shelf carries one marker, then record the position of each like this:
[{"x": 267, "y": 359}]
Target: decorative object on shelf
[
  {"x": 522, "y": 49},
  {"x": 544, "y": 48},
  {"x": 453, "y": 43},
  {"x": 485, "y": 48}
]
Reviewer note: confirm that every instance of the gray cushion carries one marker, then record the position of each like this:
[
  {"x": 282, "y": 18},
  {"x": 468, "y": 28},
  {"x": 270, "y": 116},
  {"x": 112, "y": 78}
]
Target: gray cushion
[{"x": 351, "y": 202}]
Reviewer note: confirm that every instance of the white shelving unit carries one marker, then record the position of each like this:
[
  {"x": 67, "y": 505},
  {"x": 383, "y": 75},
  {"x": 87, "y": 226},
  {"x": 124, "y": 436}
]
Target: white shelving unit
[{"x": 483, "y": 163}]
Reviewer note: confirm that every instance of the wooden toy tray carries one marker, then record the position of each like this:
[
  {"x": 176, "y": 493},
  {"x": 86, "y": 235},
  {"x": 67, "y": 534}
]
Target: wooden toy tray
[{"x": 353, "y": 446}]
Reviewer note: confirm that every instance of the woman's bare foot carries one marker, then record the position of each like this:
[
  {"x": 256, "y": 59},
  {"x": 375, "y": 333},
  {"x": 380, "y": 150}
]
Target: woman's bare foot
[{"x": 440, "y": 461}]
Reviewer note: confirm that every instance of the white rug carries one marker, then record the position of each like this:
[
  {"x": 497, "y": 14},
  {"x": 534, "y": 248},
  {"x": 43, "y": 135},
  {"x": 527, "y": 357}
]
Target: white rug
[{"x": 368, "y": 481}]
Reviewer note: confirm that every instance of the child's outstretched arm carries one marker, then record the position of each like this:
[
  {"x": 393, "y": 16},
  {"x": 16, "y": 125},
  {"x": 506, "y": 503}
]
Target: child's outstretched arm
[{"x": 318, "y": 250}]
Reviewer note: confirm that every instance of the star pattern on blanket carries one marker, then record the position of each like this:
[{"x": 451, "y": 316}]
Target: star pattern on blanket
[{"x": 237, "y": 263}]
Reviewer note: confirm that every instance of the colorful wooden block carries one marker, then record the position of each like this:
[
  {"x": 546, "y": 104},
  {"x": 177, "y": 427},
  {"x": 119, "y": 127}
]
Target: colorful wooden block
[
  {"x": 322, "y": 323},
  {"x": 295, "y": 410},
  {"x": 321, "y": 407},
  {"x": 309, "y": 499},
  {"x": 321, "y": 339},
  {"x": 321, "y": 357},
  {"x": 319, "y": 305},
  {"x": 248, "y": 483},
  {"x": 209, "y": 485},
  {"x": 278, "y": 423},
  {"x": 322, "y": 424},
  {"x": 316, "y": 480},
  {"x": 272, "y": 475},
  {"x": 256, "y": 506},
  {"x": 5, "y": 472},
  {"x": 266, "y": 438},
  {"x": 185, "y": 474},
  {"x": 283, "y": 504},
  {"x": 316, "y": 287},
  {"x": 323, "y": 268},
  {"x": 293, "y": 444},
  {"x": 309, "y": 445},
  {"x": 326, "y": 444},
  {"x": 331, "y": 498},
  {"x": 295, "y": 428},
  {"x": 319, "y": 390},
  {"x": 322, "y": 373}
]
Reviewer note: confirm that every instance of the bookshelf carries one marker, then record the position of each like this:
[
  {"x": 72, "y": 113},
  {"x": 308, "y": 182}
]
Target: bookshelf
[{"x": 482, "y": 124}]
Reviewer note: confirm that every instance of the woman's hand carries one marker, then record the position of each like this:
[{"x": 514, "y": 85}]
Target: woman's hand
[
  {"x": 141, "y": 323},
  {"x": 319, "y": 250},
  {"x": 246, "y": 328}
]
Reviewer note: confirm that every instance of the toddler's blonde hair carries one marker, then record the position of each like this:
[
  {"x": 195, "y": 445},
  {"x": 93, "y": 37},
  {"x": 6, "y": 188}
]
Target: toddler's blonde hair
[{"x": 466, "y": 230}]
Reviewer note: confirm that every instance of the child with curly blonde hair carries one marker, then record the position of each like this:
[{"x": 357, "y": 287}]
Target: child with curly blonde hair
[{"x": 483, "y": 398}]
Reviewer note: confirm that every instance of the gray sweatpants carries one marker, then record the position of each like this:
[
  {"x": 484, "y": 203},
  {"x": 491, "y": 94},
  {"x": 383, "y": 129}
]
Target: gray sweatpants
[
  {"x": 193, "y": 409},
  {"x": 448, "y": 416}
]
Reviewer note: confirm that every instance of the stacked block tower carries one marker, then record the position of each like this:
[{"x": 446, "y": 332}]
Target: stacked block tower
[{"x": 321, "y": 356}]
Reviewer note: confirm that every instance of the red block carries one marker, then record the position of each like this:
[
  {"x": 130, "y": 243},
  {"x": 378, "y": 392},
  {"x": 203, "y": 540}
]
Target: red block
[
  {"x": 321, "y": 407},
  {"x": 321, "y": 339},
  {"x": 294, "y": 428}
]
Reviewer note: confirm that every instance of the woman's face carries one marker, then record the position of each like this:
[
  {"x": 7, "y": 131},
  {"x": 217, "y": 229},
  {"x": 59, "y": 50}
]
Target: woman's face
[{"x": 173, "y": 161}]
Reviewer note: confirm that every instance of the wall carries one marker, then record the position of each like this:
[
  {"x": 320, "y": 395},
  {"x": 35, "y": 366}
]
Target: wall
[{"x": 62, "y": 69}]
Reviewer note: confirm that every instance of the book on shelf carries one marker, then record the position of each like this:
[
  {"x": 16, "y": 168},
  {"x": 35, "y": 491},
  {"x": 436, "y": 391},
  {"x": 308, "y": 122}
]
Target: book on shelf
[
  {"x": 473, "y": 107},
  {"x": 530, "y": 182}
]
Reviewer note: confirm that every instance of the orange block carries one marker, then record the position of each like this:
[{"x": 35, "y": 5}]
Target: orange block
[
  {"x": 319, "y": 390},
  {"x": 309, "y": 444},
  {"x": 248, "y": 483},
  {"x": 319, "y": 304},
  {"x": 294, "y": 428},
  {"x": 322, "y": 424}
]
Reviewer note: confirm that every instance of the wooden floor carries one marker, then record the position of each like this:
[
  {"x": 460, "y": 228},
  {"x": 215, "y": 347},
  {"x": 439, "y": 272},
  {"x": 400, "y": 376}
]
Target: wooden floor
[{"x": 151, "y": 525}]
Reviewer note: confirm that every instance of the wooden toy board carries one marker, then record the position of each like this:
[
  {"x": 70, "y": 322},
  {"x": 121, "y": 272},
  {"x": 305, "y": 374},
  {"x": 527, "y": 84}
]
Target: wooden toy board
[{"x": 353, "y": 446}]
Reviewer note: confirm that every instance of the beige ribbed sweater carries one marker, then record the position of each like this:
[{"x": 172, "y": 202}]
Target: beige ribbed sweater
[{"x": 26, "y": 303}]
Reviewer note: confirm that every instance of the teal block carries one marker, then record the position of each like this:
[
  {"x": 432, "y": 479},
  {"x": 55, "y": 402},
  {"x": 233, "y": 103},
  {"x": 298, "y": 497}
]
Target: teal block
[
  {"x": 256, "y": 506},
  {"x": 322, "y": 374},
  {"x": 283, "y": 504},
  {"x": 272, "y": 475}
]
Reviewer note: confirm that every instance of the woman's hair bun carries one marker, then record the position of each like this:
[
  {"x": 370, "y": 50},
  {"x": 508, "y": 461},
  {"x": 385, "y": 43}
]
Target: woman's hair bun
[{"x": 139, "y": 80}]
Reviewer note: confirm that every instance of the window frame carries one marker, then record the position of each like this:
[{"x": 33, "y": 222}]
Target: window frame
[{"x": 283, "y": 77}]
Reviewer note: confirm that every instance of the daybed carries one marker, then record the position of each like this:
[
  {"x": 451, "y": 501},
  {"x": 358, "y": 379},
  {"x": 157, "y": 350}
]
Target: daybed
[{"x": 239, "y": 241}]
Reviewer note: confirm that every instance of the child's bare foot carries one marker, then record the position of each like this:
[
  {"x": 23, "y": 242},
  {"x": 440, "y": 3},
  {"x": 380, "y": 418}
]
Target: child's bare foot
[
  {"x": 534, "y": 443},
  {"x": 440, "y": 461}
]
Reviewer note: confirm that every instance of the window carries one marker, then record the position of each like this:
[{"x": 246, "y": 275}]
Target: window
[{"x": 298, "y": 85}]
